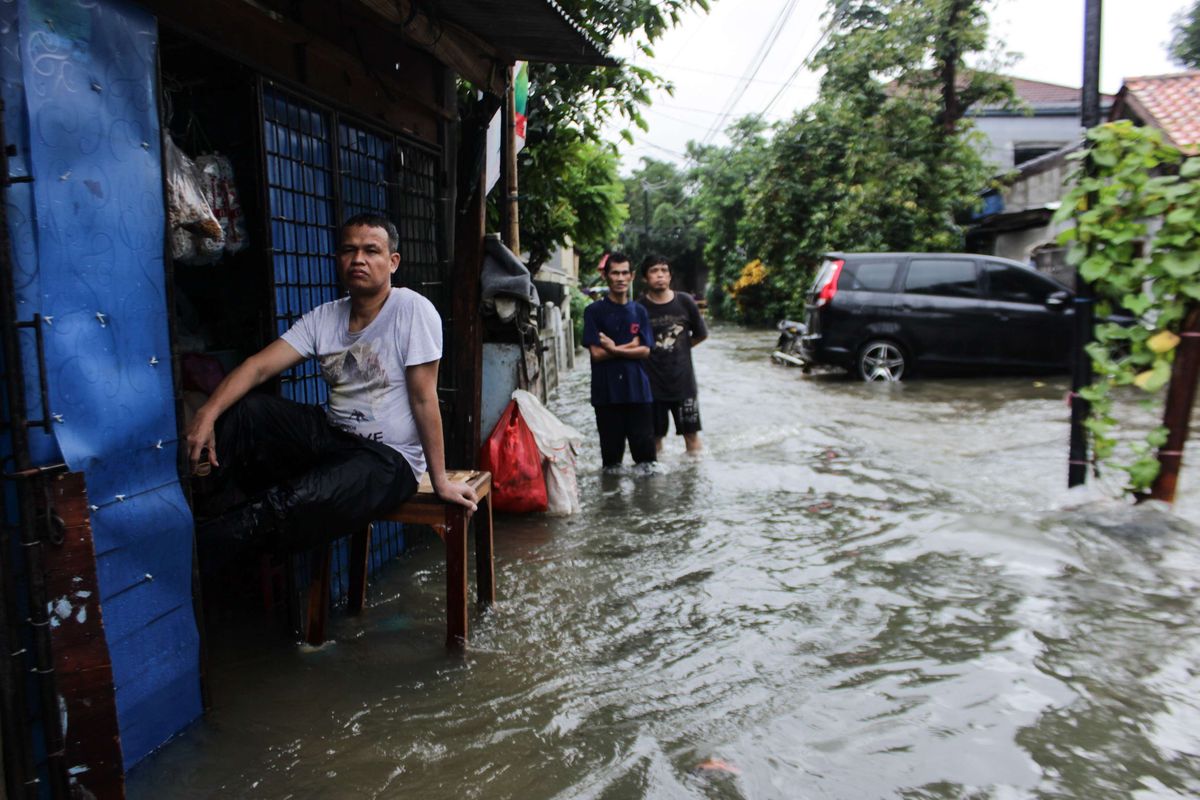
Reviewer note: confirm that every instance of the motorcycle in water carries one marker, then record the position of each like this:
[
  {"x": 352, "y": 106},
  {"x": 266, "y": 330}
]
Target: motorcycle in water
[{"x": 787, "y": 349}]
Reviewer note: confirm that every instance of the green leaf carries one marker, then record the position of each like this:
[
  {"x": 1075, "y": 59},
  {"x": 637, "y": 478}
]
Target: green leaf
[
  {"x": 1190, "y": 168},
  {"x": 1158, "y": 377},
  {"x": 1181, "y": 216},
  {"x": 1094, "y": 267},
  {"x": 1181, "y": 265},
  {"x": 1157, "y": 437},
  {"x": 1137, "y": 303},
  {"x": 1143, "y": 472}
]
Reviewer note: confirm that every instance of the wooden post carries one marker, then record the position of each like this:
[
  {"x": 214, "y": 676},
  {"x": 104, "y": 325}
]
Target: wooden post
[
  {"x": 360, "y": 567},
  {"x": 320, "y": 560},
  {"x": 470, "y": 224},
  {"x": 485, "y": 575},
  {"x": 455, "y": 536},
  {"x": 512, "y": 233},
  {"x": 1181, "y": 394}
]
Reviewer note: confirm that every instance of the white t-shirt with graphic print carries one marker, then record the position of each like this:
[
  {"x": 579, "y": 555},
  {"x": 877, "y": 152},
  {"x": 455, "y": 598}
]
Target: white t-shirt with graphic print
[{"x": 368, "y": 394}]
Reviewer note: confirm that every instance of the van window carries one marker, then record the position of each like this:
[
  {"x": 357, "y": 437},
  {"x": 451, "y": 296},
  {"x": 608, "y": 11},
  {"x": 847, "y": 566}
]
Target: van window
[
  {"x": 1015, "y": 285},
  {"x": 869, "y": 276},
  {"x": 947, "y": 277}
]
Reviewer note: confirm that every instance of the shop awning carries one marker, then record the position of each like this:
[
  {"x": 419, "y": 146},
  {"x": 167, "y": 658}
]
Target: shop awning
[{"x": 524, "y": 30}]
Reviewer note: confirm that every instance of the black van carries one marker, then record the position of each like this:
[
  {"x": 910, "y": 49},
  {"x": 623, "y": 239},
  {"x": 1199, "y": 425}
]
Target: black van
[{"x": 882, "y": 315}]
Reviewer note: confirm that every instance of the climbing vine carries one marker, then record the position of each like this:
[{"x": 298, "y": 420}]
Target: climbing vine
[{"x": 1136, "y": 239}]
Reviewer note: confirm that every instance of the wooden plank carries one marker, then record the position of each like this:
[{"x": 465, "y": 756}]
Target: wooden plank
[
  {"x": 82, "y": 663},
  {"x": 465, "y": 53}
]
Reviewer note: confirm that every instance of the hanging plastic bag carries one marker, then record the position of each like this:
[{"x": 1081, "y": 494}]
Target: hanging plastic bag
[
  {"x": 558, "y": 444},
  {"x": 220, "y": 190},
  {"x": 196, "y": 234},
  {"x": 511, "y": 454}
]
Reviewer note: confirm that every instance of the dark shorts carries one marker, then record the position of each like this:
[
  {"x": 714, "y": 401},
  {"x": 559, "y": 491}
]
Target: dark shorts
[{"x": 685, "y": 412}]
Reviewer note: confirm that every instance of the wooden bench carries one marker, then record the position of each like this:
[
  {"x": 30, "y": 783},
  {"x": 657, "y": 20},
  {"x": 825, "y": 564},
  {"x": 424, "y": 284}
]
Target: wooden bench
[{"x": 450, "y": 522}]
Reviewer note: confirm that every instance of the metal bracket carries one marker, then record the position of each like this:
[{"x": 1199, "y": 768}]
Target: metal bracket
[{"x": 43, "y": 385}]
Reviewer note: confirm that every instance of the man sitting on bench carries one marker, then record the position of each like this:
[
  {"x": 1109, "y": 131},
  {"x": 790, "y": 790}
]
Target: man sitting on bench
[{"x": 318, "y": 472}]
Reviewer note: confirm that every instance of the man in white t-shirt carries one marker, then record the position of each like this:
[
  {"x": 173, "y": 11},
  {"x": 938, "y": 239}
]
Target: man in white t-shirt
[{"x": 323, "y": 470}]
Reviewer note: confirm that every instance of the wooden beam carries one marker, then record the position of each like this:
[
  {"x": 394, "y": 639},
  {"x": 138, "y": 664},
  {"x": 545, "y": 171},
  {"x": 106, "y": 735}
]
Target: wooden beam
[{"x": 465, "y": 53}]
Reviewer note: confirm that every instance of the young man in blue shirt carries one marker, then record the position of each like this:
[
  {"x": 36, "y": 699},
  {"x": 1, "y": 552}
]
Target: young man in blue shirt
[{"x": 617, "y": 334}]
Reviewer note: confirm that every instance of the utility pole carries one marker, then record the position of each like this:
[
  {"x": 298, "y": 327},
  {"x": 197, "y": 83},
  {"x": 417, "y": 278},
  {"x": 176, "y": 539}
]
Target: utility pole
[{"x": 1085, "y": 299}]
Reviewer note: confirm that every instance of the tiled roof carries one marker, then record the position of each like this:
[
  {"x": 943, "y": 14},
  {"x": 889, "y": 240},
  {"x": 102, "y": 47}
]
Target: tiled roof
[
  {"x": 1168, "y": 102},
  {"x": 1042, "y": 96},
  {"x": 1039, "y": 93}
]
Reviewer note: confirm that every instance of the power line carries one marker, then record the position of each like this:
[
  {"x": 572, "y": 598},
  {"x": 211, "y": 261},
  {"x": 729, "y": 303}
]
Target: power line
[
  {"x": 803, "y": 63},
  {"x": 768, "y": 43},
  {"x": 724, "y": 74}
]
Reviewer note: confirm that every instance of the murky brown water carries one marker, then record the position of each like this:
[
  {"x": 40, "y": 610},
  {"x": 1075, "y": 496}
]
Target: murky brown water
[{"x": 860, "y": 591}]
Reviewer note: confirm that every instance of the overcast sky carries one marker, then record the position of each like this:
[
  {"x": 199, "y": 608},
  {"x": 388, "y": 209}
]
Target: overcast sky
[{"x": 708, "y": 54}]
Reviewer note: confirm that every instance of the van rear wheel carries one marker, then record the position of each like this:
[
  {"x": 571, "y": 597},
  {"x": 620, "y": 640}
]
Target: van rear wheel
[{"x": 881, "y": 360}]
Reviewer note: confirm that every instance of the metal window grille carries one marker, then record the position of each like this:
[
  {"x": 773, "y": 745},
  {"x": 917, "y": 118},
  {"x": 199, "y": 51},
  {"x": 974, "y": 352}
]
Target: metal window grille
[
  {"x": 309, "y": 192},
  {"x": 364, "y": 161},
  {"x": 300, "y": 183},
  {"x": 424, "y": 267}
]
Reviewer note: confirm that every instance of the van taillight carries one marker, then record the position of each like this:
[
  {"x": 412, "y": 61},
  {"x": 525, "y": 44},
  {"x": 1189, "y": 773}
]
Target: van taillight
[{"x": 829, "y": 288}]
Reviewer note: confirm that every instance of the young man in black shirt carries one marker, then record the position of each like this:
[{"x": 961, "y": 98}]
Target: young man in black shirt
[
  {"x": 617, "y": 334},
  {"x": 678, "y": 327}
]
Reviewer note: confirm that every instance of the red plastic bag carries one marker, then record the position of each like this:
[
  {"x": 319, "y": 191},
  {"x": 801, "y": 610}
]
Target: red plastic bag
[{"x": 512, "y": 456}]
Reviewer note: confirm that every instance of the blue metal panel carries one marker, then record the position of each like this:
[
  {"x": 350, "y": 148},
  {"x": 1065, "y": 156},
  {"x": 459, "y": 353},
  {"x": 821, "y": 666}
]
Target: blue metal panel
[
  {"x": 89, "y": 71},
  {"x": 43, "y": 448}
]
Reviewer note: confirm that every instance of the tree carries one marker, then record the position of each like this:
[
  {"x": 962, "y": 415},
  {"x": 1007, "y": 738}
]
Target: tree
[
  {"x": 1185, "y": 44},
  {"x": 570, "y": 192},
  {"x": 883, "y": 159},
  {"x": 661, "y": 220},
  {"x": 570, "y": 104},
  {"x": 722, "y": 180}
]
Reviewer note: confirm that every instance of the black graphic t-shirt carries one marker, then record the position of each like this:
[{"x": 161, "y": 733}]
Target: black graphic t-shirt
[{"x": 676, "y": 323}]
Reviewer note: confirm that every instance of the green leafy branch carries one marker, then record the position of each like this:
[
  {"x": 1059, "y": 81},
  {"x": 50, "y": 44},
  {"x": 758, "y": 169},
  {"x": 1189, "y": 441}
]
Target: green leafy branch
[{"x": 1136, "y": 239}]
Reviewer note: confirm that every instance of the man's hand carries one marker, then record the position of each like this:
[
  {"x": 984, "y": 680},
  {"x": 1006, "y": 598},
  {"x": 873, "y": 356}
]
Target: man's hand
[
  {"x": 607, "y": 343},
  {"x": 460, "y": 493},
  {"x": 201, "y": 436},
  {"x": 263, "y": 365}
]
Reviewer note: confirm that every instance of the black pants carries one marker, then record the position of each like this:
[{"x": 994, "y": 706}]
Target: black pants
[
  {"x": 619, "y": 422},
  {"x": 320, "y": 481}
]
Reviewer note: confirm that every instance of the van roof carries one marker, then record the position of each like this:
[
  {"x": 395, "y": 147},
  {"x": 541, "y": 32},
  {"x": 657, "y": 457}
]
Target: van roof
[{"x": 845, "y": 255}]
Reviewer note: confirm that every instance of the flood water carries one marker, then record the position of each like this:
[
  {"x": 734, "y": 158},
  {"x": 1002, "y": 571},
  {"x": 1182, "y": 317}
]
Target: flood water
[{"x": 859, "y": 591}]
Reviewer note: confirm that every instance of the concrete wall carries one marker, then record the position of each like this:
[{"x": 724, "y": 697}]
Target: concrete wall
[
  {"x": 1004, "y": 134},
  {"x": 1042, "y": 189}
]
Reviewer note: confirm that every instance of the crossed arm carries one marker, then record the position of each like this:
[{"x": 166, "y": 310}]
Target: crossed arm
[{"x": 607, "y": 350}]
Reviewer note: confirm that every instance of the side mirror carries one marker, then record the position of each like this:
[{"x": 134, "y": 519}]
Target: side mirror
[{"x": 1057, "y": 300}]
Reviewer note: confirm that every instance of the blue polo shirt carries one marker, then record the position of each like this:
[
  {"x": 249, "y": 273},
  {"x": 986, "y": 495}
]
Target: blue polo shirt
[{"x": 618, "y": 380}]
